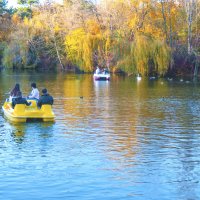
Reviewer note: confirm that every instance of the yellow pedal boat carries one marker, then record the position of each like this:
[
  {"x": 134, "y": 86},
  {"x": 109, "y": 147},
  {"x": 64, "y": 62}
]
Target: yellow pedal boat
[{"x": 23, "y": 113}]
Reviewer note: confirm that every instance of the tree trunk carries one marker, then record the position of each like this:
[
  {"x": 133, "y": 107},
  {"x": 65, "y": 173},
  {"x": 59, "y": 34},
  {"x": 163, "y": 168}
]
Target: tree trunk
[
  {"x": 170, "y": 33},
  {"x": 52, "y": 32},
  {"x": 189, "y": 29},
  {"x": 196, "y": 66},
  {"x": 164, "y": 21},
  {"x": 196, "y": 69},
  {"x": 57, "y": 52}
]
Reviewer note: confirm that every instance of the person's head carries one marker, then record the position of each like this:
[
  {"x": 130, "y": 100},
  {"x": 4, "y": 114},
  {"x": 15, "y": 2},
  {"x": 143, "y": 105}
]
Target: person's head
[
  {"x": 19, "y": 94},
  {"x": 17, "y": 87},
  {"x": 44, "y": 91},
  {"x": 33, "y": 85},
  {"x": 15, "y": 90}
]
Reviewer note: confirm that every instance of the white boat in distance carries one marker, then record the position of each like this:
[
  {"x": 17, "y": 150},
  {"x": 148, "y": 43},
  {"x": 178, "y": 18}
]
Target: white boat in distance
[{"x": 102, "y": 76}]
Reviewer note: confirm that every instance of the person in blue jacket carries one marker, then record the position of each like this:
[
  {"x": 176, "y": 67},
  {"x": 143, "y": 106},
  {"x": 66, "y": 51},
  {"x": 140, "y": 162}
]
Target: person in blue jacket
[{"x": 45, "y": 99}]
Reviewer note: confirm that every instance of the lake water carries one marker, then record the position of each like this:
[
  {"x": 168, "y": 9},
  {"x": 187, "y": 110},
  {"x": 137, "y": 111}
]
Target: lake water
[{"x": 114, "y": 140}]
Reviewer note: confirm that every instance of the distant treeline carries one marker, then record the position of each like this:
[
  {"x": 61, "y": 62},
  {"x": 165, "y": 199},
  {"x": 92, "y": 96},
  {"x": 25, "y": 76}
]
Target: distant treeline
[{"x": 129, "y": 36}]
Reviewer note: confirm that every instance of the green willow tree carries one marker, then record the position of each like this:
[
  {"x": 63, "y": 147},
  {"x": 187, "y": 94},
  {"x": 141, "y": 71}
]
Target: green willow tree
[{"x": 25, "y": 9}]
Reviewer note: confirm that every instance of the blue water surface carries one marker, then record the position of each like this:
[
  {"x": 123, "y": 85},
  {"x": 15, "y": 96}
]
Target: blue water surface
[{"x": 114, "y": 140}]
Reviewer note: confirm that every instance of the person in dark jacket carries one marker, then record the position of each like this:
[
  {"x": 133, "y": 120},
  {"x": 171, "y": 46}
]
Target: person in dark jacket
[
  {"x": 45, "y": 99},
  {"x": 13, "y": 93},
  {"x": 19, "y": 100}
]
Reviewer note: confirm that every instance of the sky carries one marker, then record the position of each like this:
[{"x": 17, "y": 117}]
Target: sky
[{"x": 13, "y": 3}]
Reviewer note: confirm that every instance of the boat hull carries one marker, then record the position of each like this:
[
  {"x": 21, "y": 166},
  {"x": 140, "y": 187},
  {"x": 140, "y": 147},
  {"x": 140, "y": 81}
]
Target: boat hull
[
  {"x": 23, "y": 113},
  {"x": 104, "y": 77}
]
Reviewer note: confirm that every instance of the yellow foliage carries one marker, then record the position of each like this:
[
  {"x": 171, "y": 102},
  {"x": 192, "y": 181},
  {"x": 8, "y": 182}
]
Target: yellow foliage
[
  {"x": 57, "y": 28},
  {"x": 148, "y": 49},
  {"x": 38, "y": 24},
  {"x": 74, "y": 41},
  {"x": 77, "y": 48},
  {"x": 81, "y": 46},
  {"x": 132, "y": 22},
  {"x": 26, "y": 21}
]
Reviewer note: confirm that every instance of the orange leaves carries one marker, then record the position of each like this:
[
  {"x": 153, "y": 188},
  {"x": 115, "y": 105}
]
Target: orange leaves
[
  {"x": 16, "y": 19},
  {"x": 92, "y": 27}
]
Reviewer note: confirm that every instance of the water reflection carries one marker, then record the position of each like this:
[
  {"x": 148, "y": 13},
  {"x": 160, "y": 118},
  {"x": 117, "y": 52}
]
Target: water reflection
[{"x": 18, "y": 132}]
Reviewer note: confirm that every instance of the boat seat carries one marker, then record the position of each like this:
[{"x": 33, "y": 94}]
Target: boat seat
[
  {"x": 19, "y": 109},
  {"x": 46, "y": 108}
]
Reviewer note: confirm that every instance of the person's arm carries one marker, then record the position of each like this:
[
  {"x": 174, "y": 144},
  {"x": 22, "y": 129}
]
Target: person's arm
[
  {"x": 34, "y": 94},
  {"x": 39, "y": 103},
  {"x": 11, "y": 93},
  {"x": 13, "y": 103},
  {"x": 30, "y": 95},
  {"x": 28, "y": 103}
]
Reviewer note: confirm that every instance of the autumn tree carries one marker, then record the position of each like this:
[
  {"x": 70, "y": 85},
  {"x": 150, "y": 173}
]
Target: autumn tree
[{"x": 134, "y": 36}]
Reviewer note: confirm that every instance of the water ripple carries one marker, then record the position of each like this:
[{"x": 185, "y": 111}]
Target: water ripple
[{"x": 111, "y": 140}]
